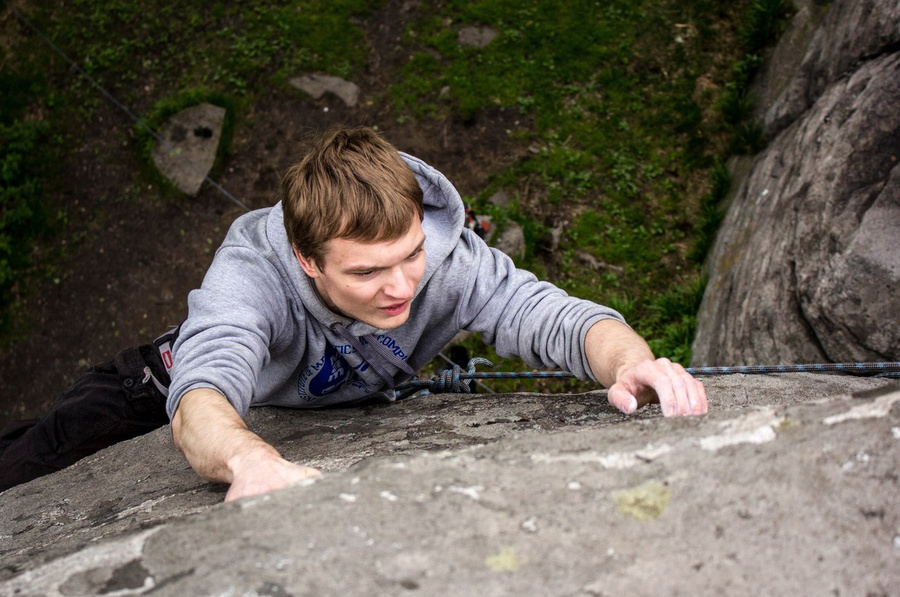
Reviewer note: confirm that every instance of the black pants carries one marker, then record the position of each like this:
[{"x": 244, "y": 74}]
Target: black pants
[{"x": 112, "y": 402}]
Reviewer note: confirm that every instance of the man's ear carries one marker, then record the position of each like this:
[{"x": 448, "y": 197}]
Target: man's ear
[{"x": 308, "y": 265}]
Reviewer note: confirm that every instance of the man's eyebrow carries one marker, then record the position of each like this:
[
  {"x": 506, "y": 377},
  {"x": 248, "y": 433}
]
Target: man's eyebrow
[
  {"x": 418, "y": 248},
  {"x": 376, "y": 268},
  {"x": 363, "y": 268}
]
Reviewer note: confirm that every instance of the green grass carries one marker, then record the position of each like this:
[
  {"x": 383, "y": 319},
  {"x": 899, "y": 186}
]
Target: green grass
[
  {"x": 622, "y": 138},
  {"x": 237, "y": 46}
]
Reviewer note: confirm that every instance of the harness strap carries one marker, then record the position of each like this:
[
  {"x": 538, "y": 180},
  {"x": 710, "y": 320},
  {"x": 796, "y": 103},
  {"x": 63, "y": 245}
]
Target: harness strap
[
  {"x": 164, "y": 345},
  {"x": 148, "y": 376}
]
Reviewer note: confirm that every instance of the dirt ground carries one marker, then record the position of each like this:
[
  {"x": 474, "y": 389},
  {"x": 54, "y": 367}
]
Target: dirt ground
[{"x": 132, "y": 257}]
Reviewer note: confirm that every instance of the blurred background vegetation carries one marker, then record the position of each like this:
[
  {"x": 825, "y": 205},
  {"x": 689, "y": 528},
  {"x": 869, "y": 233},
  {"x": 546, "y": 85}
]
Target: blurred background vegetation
[{"x": 633, "y": 109}]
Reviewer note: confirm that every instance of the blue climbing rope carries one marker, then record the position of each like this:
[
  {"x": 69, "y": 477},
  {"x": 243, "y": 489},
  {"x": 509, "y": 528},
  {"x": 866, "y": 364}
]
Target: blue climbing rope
[
  {"x": 454, "y": 380},
  {"x": 887, "y": 369}
]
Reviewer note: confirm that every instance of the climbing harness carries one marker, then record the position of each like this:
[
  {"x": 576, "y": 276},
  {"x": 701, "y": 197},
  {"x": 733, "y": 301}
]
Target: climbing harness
[{"x": 454, "y": 380}]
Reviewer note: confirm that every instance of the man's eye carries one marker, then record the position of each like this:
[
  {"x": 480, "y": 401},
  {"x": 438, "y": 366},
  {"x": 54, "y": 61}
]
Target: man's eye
[
  {"x": 417, "y": 253},
  {"x": 364, "y": 274}
]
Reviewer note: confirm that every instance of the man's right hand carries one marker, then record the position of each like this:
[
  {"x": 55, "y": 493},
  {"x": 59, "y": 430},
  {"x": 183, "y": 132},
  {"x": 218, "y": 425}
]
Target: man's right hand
[
  {"x": 217, "y": 443},
  {"x": 261, "y": 471}
]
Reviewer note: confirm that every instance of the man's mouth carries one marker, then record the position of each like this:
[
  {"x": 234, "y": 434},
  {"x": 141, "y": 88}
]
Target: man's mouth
[{"x": 395, "y": 309}]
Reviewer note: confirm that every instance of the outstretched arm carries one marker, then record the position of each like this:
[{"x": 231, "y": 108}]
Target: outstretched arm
[
  {"x": 217, "y": 443},
  {"x": 622, "y": 361}
]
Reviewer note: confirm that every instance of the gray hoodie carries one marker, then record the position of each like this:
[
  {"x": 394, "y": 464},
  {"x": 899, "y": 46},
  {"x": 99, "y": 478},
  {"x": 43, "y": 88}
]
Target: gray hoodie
[{"x": 258, "y": 332}]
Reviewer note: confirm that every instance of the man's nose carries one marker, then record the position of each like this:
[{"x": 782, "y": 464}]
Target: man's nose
[{"x": 399, "y": 285}]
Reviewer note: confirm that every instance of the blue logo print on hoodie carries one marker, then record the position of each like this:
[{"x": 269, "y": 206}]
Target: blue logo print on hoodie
[{"x": 325, "y": 376}]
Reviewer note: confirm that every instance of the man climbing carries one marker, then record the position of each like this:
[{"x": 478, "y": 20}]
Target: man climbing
[{"x": 357, "y": 278}]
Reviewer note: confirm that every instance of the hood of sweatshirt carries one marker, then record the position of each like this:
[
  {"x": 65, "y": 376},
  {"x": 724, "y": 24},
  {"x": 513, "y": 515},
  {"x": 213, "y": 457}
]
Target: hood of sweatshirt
[{"x": 443, "y": 223}]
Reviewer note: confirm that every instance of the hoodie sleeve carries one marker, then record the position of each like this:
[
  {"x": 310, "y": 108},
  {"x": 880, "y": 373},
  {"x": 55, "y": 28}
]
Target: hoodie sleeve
[
  {"x": 233, "y": 320},
  {"x": 522, "y": 316}
]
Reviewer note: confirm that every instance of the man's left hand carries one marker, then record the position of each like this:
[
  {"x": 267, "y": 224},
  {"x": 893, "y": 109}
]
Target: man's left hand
[{"x": 658, "y": 381}]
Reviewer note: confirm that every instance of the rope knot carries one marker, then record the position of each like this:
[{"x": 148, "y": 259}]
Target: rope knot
[{"x": 450, "y": 380}]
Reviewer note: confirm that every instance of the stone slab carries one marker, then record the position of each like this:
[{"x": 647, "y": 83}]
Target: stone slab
[
  {"x": 190, "y": 142},
  {"x": 476, "y": 37},
  {"x": 318, "y": 85}
]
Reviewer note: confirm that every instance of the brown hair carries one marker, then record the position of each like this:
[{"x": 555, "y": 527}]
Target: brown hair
[{"x": 351, "y": 184}]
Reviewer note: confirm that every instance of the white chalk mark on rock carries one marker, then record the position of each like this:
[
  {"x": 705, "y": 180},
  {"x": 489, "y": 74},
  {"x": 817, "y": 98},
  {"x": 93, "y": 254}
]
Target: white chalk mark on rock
[
  {"x": 879, "y": 408},
  {"x": 473, "y": 492},
  {"x": 530, "y": 524},
  {"x": 753, "y": 428},
  {"x": 146, "y": 506},
  {"x": 616, "y": 460}
]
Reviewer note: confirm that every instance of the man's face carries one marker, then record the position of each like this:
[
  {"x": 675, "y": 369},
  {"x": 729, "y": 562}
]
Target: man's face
[{"x": 371, "y": 282}]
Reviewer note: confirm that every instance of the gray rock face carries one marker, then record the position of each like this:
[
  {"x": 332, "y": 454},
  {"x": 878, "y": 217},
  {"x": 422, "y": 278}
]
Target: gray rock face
[
  {"x": 852, "y": 32},
  {"x": 788, "y": 487},
  {"x": 191, "y": 140},
  {"x": 806, "y": 265}
]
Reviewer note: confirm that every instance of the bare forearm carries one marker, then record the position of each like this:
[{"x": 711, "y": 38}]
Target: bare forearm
[
  {"x": 613, "y": 348},
  {"x": 217, "y": 443},
  {"x": 212, "y": 435}
]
